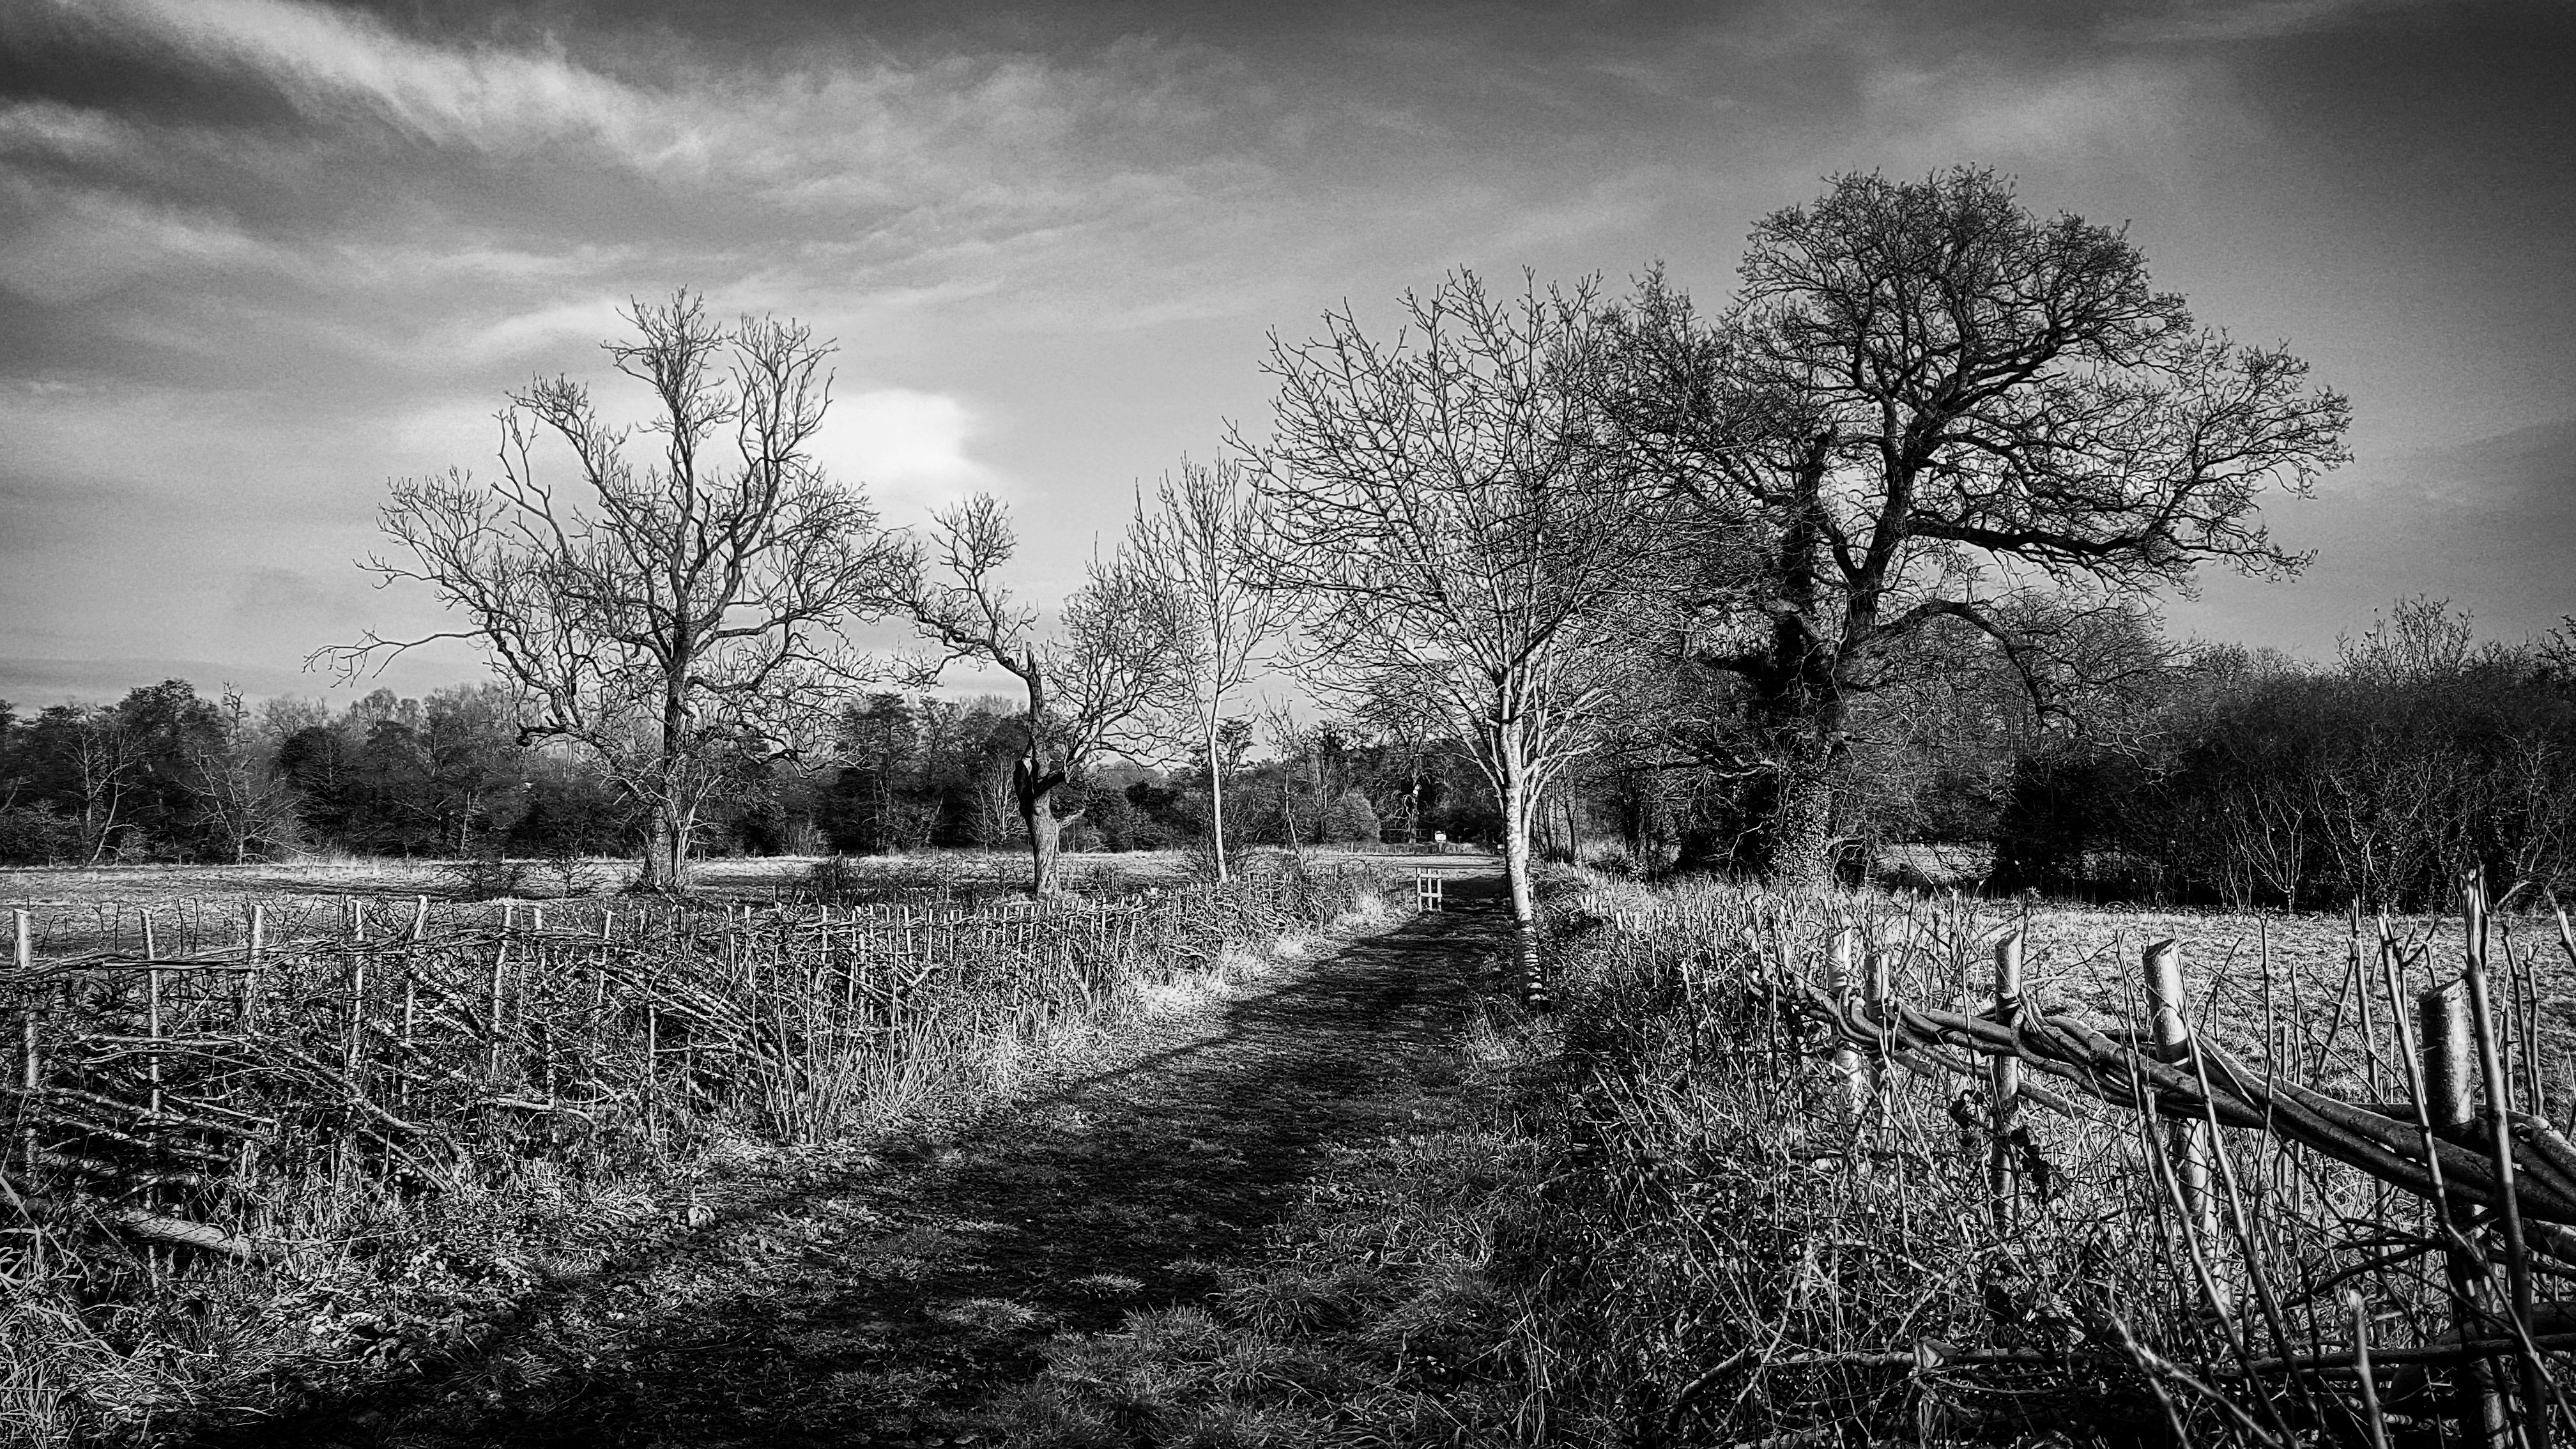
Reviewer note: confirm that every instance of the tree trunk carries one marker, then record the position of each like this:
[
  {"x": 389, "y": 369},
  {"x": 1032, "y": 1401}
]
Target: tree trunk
[
  {"x": 1516, "y": 845},
  {"x": 1518, "y": 807},
  {"x": 1045, "y": 832},
  {"x": 666, "y": 852},
  {"x": 1216, "y": 806},
  {"x": 1035, "y": 794},
  {"x": 1800, "y": 829}
]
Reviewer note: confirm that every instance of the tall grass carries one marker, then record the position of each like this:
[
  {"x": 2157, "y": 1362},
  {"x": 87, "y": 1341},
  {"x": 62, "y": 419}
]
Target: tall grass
[
  {"x": 1747, "y": 1234},
  {"x": 227, "y": 1147}
]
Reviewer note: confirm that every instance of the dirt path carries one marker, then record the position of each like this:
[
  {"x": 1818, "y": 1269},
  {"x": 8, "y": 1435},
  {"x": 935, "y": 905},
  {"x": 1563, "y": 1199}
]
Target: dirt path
[{"x": 880, "y": 1303}]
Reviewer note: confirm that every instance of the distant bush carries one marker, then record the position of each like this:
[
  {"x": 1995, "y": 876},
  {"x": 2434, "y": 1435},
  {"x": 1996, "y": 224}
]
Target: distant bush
[
  {"x": 37, "y": 835},
  {"x": 1351, "y": 820},
  {"x": 487, "y": 877}
]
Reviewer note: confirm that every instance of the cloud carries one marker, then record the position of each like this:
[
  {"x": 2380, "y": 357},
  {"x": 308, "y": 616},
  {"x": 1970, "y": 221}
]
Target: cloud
[
  {"x": 71, "y": 243},
  {"x": 908, "y": 447},
  {"x": 2486, "y": 522},
  {"x": 2194, "y": 20},
  {"x": 332, "y": 63},
  {"x": 2137, "y": 107},
  {"x": 32, "y": 684},
  {"x": 537, "y": 330}
]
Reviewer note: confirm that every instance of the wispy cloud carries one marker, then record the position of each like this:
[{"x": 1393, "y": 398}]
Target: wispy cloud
[
  {"x": 76, "y": 242},
  {"x": 2246, "y": 19},
  {"x": 332, "y": 64},
  {"x": 2139, "y": 107}
]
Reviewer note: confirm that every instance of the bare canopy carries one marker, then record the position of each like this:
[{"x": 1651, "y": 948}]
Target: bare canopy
[
  {"x": 670, "y": 613},
  {"x": 1201, "y": 539},
  {"x": 1441, "y": 501},
  {"x": 1930, "y": 411},
  {"x": 1089, "y": 686}
]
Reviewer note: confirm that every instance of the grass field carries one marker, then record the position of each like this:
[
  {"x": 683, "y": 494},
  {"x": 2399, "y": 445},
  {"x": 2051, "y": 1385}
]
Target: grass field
[
  {"x": 410, "y": 1123},
  {"x": 75, "y": 908},
  {"x": 1746, "y": 1234}
]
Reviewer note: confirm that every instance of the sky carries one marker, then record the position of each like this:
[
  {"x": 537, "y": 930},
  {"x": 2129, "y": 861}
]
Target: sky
[{"x": 258, "y": 257}]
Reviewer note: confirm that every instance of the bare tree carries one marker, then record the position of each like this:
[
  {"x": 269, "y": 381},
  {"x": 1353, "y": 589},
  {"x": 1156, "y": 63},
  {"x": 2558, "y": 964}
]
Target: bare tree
[
  {"x": 107, "y": 763},
  {"x": 1202, "y": 539},
  {"x": 1442, "y": 503},
  {"x": 1926, "y": 406},
  {"x": 2421, "y": 640},
  {"x": 669, "y": 615},
  {"x": 242, "y": 797},
  {"x": 1091, "y": 687}
]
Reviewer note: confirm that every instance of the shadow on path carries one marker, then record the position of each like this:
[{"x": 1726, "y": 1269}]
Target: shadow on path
[{"x": 879, "y": 1304}]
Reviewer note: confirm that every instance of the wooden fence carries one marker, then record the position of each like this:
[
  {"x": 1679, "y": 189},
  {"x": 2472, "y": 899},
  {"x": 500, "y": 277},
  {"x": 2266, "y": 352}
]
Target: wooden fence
[
  {"x": 172, "y": 1092},
  {"x": 2469, "y": 1136}
]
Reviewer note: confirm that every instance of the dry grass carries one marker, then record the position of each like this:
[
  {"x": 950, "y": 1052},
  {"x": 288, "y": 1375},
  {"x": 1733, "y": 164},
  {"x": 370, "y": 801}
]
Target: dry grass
[
  {"x": 1667, "y": 1221},
  {"x": 1732, "y": 1251},
  {"x": 454, "y": 1123}
]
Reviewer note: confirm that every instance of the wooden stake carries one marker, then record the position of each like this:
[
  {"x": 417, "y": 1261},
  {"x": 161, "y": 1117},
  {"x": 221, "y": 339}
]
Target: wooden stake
[
  {"x": 2172, "y": 1031},
  {"x": 492, "y": 1019},
  {"x": 31, "y": 1041},
  {"x": 2534, "y": 1400},
  {"x": 152, "y": 1010},
  {"x": 1849, "y": 1068},
  {"x": 2449, "y": 1103},
  {"x": 2004, "y": 1084},
  {"x": 249, "y": 999}
]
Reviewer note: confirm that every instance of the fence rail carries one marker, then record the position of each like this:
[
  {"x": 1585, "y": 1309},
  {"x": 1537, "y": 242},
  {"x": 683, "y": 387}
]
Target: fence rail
[
  {"x": 165, "y": 1094},
  {"x": 2470, "y": 1138}
]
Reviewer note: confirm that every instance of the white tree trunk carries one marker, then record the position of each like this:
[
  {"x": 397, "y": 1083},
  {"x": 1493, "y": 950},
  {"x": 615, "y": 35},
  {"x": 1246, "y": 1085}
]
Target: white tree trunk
[{"x": 1216, "y": 801}]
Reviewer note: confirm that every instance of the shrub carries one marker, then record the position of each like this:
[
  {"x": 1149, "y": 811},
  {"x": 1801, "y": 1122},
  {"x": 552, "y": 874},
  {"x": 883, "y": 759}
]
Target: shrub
[
  {"x": 1351, "y": 820},
  {"x": 487, "y": 877},
  {"x": 37, "y": 834}
]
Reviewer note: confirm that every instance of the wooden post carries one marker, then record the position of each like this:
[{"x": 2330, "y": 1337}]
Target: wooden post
[
  {"x": 2450, "y": 1102},
  {"x": 1876, "y": 991},
  {"x": 30, "y": 1039},
  {"x": 2166, "y": 1003},
  {"x": 152, "y": 1010},
  {"x": 500, "y": 963},
  {"x": 2004, "y": 1084},
  {"x": 357, "y": 1013},
  {"x": 2533, "y": 1398},
  {"x": 1850, "y": 1070},
  {"x": 249, "y": 998}
]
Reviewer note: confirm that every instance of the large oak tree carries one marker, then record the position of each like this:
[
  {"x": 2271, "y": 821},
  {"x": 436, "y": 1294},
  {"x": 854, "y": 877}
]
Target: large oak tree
[{"x": 1931, "y": 411}]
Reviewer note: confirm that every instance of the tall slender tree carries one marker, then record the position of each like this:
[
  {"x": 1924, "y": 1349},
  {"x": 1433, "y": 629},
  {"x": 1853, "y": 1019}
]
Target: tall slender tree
[
  {"x": 1201, "y": 537},
  {"x": 1442, "y": 502}
]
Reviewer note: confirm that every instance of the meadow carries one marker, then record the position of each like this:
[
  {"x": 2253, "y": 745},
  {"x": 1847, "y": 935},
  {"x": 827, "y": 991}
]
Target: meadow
[
  {"x": 273, "y": 1129},
  {"x": 1729, "y": 1192},
  {"x": 1809, "y": 1198}
]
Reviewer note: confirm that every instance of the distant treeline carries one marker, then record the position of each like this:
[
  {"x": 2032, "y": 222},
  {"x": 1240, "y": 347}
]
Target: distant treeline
[
  {"x": 2214, "y": 775},
  {"x": 166, "y": 774},
  {"x": 2252, "y": 779},
  {"x": 2203, "y": 774}
]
